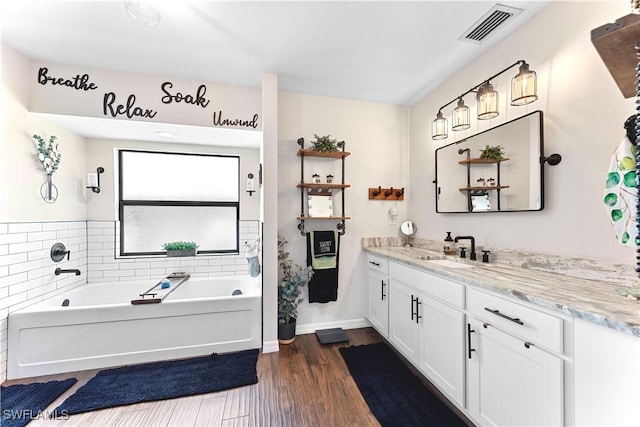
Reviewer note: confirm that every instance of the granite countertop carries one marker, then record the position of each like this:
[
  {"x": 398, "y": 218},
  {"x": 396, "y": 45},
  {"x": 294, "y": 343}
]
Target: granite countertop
[{"x": 592, "y": 300}]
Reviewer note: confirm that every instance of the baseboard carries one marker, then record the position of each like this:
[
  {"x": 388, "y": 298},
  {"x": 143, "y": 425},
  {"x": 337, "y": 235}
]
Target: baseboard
[
  {"x": 270, "y": 346},
  {"x": 311, "y": 328}
]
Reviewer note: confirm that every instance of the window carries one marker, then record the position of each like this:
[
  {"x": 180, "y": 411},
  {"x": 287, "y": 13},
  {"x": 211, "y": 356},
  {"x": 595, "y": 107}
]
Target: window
[{"x": 167, "y": 197}]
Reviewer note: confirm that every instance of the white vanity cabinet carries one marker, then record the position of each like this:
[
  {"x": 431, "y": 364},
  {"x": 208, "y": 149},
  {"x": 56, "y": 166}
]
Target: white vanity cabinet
[
  {"x": 607, "y": 376},
  {"x": 515, "y": 364},
  {"x": 426, "y": 323},
  {"x": 404, "y": 320},
  {"x": 378, "y": 284}
]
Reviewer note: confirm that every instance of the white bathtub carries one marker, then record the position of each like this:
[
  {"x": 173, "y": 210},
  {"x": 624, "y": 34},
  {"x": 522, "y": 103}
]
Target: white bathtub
[{"x": 101, "y": 328}]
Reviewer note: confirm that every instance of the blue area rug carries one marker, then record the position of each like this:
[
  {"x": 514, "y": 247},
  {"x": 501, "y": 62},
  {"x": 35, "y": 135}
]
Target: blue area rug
[
  {"x": 21, "y": 403},
  {"x": 163, "y": 380},
  {"x": 394, "y": 394}
]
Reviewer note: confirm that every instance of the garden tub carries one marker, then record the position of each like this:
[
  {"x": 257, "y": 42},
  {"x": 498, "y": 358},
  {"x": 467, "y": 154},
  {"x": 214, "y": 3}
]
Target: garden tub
[{"x": 101, "y": 328}]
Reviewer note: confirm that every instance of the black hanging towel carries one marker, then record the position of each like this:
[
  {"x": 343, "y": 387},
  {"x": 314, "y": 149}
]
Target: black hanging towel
[{"x": 323, "y": 249}]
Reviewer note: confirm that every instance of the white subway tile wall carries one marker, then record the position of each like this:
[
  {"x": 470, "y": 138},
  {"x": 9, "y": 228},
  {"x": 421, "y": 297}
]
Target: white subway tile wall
[
  {"x": 27, "y": 271},
  {"x": 105, "y": 266}
]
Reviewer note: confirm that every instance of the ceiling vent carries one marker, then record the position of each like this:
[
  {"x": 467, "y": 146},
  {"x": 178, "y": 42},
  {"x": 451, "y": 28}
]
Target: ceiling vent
[{"x": 495, "y": 18}]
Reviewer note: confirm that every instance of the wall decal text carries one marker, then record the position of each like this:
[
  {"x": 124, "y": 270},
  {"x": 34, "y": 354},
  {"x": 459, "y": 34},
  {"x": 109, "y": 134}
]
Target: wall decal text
[
  {"x": 219, "y": 121},
  {"x": 129, "y": 109},
  {"x": 79, "y": 82},
  {"x": 197, "y": 99}
]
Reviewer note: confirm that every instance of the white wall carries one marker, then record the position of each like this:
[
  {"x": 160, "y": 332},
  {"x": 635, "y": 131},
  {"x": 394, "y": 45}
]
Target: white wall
[
  {"x": 376, "y": 136},
  {"x": 584, "y": 114},
  {"x": 21, "y": 174}
]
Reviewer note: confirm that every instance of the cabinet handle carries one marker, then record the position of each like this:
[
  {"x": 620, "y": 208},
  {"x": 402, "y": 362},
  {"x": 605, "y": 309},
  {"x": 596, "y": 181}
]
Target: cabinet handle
[
  {"x": 528, "y": 344},
  {"x": 469, "y": 331},
  {"x": 377, "y": 264},
  {"x": 412, "y": 307},
  {"x": 497, "y": 313},
  {"x": 418, "y": 317},
  {"x": 382, "y": 295}
]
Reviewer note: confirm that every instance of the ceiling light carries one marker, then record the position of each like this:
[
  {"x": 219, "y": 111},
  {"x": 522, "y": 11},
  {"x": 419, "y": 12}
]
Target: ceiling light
[
  {"x": 143, "y": 12},
  {"x": 523, "y": 91},
  {"x": 165, "y": 134}
]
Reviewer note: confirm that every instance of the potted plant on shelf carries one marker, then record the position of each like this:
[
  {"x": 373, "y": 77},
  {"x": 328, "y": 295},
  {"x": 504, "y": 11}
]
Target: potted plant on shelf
[
  {"x": 324, "y": 144},
  {"x": 293, "y": 278},
  {"x": 492, "y": 152},
  {"x": 180, "y": 248}
]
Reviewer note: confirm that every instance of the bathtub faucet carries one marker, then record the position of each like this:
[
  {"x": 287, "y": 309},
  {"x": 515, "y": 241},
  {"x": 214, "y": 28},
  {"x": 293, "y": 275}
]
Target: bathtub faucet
[{"x": 59, "y": 271}]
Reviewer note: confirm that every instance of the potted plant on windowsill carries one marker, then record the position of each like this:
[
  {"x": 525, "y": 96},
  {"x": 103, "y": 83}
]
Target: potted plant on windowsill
[
  {"x": 180, "y": 248},
  {"x": 293, "y": 278}
]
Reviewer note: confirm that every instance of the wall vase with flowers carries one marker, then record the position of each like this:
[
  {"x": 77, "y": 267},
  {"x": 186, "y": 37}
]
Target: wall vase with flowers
[{"x": 49, "y": 156}]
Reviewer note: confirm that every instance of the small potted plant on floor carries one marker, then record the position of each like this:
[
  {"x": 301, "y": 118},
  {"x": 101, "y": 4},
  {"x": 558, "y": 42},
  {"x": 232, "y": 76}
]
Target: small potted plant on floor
[
  {"x": 293, "y": 278},
  {"x": 180, "y": 248}
]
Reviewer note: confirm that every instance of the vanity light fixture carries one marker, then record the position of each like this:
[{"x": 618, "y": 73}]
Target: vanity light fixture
[
  {"x": 143, "y": 12},
  {"x": 439, "y": 127},
  {"x": 523, "y": 92},
  {"x": 487, "y": 102},
  {"x": 460, "y": 119}
]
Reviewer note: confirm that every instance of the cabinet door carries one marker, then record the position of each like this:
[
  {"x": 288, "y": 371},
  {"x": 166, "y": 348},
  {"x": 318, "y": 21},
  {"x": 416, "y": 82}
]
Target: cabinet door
[
  {"x": 403, "y": 322},
  {"x": 442, "y": 334},
  {"x": 378, "y": 313},
  {"x": 512, "y": 383}
]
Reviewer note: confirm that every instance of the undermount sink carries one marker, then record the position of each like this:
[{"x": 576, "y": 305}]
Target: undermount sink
[{"x": 449, "y": 263}]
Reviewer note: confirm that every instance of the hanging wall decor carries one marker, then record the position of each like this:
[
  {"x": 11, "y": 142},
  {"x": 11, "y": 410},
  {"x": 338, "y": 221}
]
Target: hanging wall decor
[{"x": 49, "y": 156}]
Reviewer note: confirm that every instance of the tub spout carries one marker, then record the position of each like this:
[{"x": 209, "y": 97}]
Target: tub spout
[{"x": 59, "y": 271}]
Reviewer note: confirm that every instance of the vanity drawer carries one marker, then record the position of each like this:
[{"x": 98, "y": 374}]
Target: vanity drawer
[
  {"x": 436, "y": 286},
  {"x": 526, "y": 322},
  {"x": 377, "y": 263}
]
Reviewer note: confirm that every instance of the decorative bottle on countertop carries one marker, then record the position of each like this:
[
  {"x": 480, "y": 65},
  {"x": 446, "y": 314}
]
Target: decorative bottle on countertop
[{"x": 449, "y": 245}]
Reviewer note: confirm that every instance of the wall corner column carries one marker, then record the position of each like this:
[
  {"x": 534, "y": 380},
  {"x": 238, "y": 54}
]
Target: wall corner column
[{"x": 269, "y": 211}]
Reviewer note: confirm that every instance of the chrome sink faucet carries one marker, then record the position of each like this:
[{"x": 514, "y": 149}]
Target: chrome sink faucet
[{"x": 472, "y": 255}]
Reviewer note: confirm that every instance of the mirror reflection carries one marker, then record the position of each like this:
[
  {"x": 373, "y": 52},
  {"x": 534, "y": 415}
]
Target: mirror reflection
[{"x": 498, "y": 170}]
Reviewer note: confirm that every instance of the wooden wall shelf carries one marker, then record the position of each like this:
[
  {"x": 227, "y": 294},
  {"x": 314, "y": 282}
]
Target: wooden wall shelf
[
  {"x": 481, "y": 161},
  {"x": 481, "y": 188},
  {"x": 331, "y": 154}
]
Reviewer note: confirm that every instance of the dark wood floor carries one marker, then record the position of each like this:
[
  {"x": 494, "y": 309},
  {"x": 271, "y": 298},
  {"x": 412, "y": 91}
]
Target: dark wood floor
[{"x": 305, "y": 384}]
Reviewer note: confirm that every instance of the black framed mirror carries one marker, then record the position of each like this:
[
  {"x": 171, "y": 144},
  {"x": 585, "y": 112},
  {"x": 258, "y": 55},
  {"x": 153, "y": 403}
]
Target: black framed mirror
[{"x": 511, "y": 181}]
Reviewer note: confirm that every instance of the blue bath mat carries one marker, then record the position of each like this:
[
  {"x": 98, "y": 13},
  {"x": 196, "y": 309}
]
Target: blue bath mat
[
  {"x": 21, "y": 403},
  {"x": 394, "y": 394},
  {"x": 163, "y": 380}
]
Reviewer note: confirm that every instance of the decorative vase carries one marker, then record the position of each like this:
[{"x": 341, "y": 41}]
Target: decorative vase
[
  {"x": 48, "y": 191},
  {"x": 286, "y": 331},
  {"x": 176, "y": 252}
]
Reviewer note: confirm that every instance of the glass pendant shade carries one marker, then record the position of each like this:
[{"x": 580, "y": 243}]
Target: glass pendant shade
[
  {"x": 439, "y": 127},
  {"x": 487, "y": 102},
  {"x": 460, "y": 119},
  {"x": 524, "y": 86}
]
